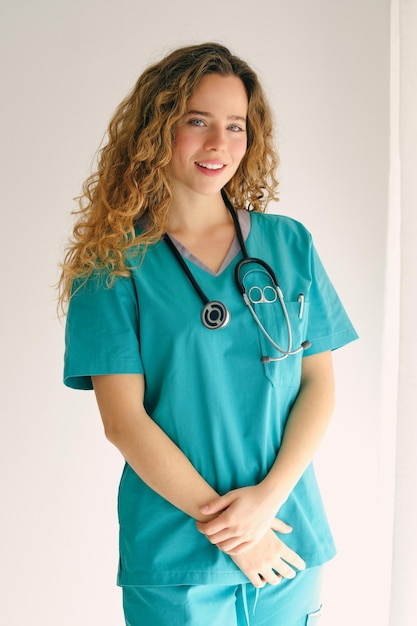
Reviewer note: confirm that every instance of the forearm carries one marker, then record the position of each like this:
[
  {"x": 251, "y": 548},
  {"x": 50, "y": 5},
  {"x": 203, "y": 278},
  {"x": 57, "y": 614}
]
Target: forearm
[
  {"x": 148, "y": 450},
  {"x": 163, "y": 467},
  {"x": 304, "y": 431}
]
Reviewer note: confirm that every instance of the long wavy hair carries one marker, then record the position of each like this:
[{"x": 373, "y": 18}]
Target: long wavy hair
[{"x": 132, "y": 179}]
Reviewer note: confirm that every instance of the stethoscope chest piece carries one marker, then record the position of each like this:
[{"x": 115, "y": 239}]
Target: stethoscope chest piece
[{"x": 215, "y": 315}]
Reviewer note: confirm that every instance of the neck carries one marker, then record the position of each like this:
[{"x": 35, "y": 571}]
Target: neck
[{"x": 197, "y": 214}]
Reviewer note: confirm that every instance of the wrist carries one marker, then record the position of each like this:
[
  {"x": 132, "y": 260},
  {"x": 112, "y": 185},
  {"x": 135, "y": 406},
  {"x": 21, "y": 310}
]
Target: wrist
[{"x": 272, "y": 493}]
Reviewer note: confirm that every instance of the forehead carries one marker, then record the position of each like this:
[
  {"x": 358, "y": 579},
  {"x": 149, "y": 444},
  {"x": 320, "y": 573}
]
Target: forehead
[{"x": 216, "y": 93}]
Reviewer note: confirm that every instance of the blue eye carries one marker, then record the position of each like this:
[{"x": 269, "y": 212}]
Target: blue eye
[
  {"x": 236, "y": 128},
  {"x": 196, "y": 122}
]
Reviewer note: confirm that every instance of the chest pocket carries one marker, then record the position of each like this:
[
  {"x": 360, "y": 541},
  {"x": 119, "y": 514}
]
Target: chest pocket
[{"x": 285, "y": 372}]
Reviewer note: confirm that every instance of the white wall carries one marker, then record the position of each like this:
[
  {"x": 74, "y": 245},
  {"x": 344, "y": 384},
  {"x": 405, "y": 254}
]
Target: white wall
[
  {"x": 67, "y": 64},
  {"x": 404, "y": 574}
]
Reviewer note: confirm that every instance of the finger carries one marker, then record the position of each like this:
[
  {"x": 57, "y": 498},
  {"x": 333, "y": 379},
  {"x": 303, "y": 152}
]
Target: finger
[
  {"x": 271, "y": 577},
  {"x": 235, "y": 545},
  {"x": 283, "y": 569},
  {"x": 225, "y": 536},
  {"x": 292, "y": 558},
  {"x": 257, "y": 580},
  {"x": 253, "y": 576},
  {"x": 216, "y": 527},
  {"x": 217, "y": 505},
  {"x": 280, "y": 526}
]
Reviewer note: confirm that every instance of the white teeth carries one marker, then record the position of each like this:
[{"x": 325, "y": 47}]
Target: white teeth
[{"x": 211, "y": 166}]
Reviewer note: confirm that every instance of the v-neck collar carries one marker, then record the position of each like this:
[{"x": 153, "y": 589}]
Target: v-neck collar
[{"x": 244, "y": 221}]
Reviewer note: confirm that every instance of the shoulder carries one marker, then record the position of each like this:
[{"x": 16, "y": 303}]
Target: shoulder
[
  {"x": 276, "y": 221},
  {"x": 280, "y": 228},
  {"x": 101, "y": 289}
]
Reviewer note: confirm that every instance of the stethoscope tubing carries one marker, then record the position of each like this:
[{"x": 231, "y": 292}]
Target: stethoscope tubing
[
  {"x": 264, "y": 264},
  {"x": 215, "y": 314}
]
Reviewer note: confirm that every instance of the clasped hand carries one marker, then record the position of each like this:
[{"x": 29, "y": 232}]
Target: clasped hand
[
  {"x": 243, "y": 517},
  {"x": 243, "y": 529}
]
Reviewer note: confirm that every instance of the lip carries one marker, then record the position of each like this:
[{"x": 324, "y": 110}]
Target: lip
[{"x": 210, "y": 171}]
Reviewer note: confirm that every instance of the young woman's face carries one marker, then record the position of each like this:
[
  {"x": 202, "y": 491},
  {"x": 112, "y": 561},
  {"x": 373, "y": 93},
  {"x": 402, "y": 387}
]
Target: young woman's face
[{"x": 210, "y": 141}]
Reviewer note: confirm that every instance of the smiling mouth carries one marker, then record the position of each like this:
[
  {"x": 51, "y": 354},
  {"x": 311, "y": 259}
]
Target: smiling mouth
[{"x": 211, "y": 166}]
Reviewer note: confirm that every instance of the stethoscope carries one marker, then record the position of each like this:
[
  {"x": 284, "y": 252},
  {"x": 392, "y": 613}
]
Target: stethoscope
[{"x": 215, "y": 314}]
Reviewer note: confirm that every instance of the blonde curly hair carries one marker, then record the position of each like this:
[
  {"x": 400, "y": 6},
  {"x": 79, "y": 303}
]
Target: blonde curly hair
[{"x": 132, "y": 179}]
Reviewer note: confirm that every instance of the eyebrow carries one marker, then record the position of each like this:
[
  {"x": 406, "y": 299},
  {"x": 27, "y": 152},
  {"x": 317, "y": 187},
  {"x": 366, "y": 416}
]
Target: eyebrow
[{"x": 210, "y": 115}]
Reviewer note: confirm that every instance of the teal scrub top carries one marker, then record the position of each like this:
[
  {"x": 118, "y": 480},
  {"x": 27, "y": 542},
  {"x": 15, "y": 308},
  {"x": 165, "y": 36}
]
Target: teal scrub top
[{"x": 208, "y": 389}]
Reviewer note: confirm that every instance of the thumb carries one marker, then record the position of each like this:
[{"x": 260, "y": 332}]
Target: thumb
[
  {"x": 217, "y": 505},
  {"x": 281, "y": 526}
]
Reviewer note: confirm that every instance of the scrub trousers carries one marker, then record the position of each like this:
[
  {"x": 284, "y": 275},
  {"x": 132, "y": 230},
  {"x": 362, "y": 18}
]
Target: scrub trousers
[{"x": 293, "y": 602}]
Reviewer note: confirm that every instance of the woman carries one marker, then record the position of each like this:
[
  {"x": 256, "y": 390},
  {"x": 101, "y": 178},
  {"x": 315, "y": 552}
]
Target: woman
[{"x": 215, "y": 390}]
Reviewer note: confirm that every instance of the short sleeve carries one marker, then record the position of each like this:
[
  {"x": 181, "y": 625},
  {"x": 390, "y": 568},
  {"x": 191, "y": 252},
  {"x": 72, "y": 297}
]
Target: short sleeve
[
  {"x": 329, "y": 326},
  {"x": 102, "y": 332}
]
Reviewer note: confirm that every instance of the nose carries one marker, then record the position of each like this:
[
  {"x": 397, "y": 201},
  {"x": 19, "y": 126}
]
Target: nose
[{"x": 216, "y": 139}]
